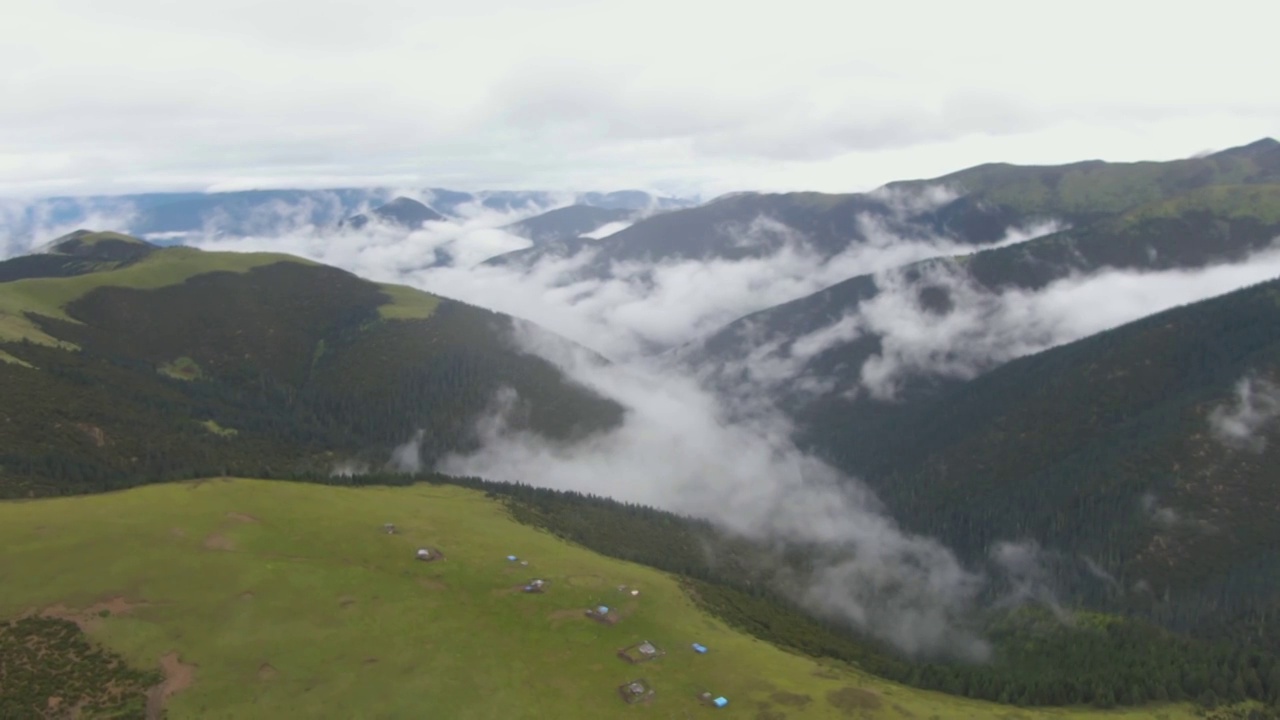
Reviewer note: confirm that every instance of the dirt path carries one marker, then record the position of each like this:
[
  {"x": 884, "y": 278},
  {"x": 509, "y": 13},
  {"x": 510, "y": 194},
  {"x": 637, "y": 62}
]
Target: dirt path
[{"x": 178, "y": 676}]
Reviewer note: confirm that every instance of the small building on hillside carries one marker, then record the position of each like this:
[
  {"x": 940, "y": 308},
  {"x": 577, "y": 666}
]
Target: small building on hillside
[
  {"x": 641, "y": 652},
  {"x": 720, "y": 702},
  {"x": 636, "y": 691}
]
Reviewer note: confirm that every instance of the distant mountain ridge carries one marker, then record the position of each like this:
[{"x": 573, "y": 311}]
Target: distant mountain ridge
[
  {"x": 402, "y": 212},
  {"x": 972, "y": 207},
  {"x": 166, "y": 217},
  {"x": 567, "y": 223}
]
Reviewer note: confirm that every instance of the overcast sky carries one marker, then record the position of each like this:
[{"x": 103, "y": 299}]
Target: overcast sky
[{"x": 675, "y": 95}]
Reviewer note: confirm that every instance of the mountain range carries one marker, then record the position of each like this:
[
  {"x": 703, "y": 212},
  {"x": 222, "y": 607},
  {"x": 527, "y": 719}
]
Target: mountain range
[{"x": 967, "y": 372}]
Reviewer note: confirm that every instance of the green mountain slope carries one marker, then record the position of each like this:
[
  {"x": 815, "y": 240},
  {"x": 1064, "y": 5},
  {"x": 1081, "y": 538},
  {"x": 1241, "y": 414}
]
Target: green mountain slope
[
  {"x": 1202, "y": 228},
  {"x": 272, "y": 599},
  {"x": 974, "y": 206},
  {"x": 119, "y": 377},
  {"x": 1085, "y": 191},
  {"x": 567, "y": 223},
  {"x": 1104, "y": 448}
]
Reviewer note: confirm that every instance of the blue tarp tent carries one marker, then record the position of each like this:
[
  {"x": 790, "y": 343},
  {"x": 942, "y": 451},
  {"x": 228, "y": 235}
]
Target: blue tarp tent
[
  {"x": 512, "y": 558},
  {"x": 602, "y": 610},
  {"x": 720, "y": 702},
  {"x": 699, "y": 648}
]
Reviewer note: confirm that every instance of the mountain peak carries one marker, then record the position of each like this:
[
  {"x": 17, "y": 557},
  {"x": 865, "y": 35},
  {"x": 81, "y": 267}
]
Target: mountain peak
[
  {"x": 1264, "y": 145},
  {"x": 98, "y": 245},
  {"x": 401, "y": 211}
]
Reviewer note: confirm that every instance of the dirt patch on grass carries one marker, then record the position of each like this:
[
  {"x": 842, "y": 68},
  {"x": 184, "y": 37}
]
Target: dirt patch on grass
[
  {"x": 370, "y": 661},
  {"x": 246, "y": 595},
  {"x": 218, "y": 541},
  {"x": 850, "y": 700},
  {"x": 787, "y": 699},
  {"x": 346, "y": 601},
  {"x": 433, "y": 584},
  {"x": 177, "y": 532},
  {"x": 241, "y": 517},
  {"x": 178, "y": 676},
  {"x": 266, "y": 671},
  {"x": 89, "y": 617},
  {"x": 94, "y": 433}
]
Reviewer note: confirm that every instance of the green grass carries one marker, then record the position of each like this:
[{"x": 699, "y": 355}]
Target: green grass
[
  {"x": 184, "y": 368},
  {"x": 292, "y": 602},
  {"x": 1256, "y": 201},
  {"x": 7, "y": 358},
  {"x": 48, "y": 296},
  {"x": 93, "y": 238},
  {"x": 407, "y": 303},
  {"x": 218, "y": 430}
]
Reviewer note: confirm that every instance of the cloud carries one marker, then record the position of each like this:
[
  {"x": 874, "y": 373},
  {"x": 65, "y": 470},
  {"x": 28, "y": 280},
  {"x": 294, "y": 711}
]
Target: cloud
[
  {"x": 1027, "y": 573},
  {"x": 729, "y": 457},
  {"x": 751, "y": 480},
  {"x": 1165, "y": 517},
  {"x": 608, "y": 229},
  {"x": 149, "y": 95},
  {"x": 640, "y": 308},
  {"x": 975, "y": 328},
  {"x": 1256, "y": 406},
  {"x": 26, "y": 226}
]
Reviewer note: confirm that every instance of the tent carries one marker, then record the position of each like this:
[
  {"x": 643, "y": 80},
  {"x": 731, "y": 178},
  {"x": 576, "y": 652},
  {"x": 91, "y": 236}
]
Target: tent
[
  {"x": 602, "y": 610},
  {"x": 512, "y": 558},
  {"x": 699, "y": 648},
  {"x": 720, "y": 702}
]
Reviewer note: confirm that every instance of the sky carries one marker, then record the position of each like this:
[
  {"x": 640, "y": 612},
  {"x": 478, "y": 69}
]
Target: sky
[{"x": 678, "y": 97}]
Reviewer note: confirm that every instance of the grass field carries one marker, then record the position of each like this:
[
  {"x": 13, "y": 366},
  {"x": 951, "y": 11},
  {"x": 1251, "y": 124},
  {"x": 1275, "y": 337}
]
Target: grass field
[
  {"x": 290, "y": 601},
  {"x": 407, "y": 303},
  {"x": 47, "y": 296}
]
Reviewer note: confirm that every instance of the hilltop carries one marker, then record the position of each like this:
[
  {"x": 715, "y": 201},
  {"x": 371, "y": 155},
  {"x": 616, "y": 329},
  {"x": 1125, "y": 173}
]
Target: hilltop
[
  {"x": 159, "y": 364},
  {"x": 267, "y": 599},
  {"x": 402, "y": 212}
]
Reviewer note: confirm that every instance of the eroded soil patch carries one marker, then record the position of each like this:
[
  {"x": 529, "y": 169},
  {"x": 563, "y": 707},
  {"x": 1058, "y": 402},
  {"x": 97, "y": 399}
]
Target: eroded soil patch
[{"x": 178, "y": 676}]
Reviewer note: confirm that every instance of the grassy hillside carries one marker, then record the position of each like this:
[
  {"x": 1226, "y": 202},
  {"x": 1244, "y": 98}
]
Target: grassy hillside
[
  {"x": 987, "y": 202},
  {"x": 288, "y": 600},
  {"x": 48, "y": 296},
  {"x": 112, "y": 378},
  {"x": 1090, "y": 190}
]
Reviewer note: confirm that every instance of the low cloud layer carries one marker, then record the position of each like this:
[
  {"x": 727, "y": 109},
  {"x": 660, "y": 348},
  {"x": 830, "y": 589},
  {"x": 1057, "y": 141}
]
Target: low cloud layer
[
  {"x": 677, "y": 451},
  {"x": 1240, "y": 425},
  {"x": 979, "y": 329},
  {"x": 640, "y": 309}
]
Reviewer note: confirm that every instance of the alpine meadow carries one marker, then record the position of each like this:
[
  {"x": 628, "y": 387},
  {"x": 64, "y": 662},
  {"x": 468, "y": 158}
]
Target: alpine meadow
[{"x": 580, "y": 360}]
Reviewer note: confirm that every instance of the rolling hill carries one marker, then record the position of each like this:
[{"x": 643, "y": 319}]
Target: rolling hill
[
  {"x": 402, "y": 212},
  {"x": 271, "y": 599},
  {"x": 154, "y": 364}
]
